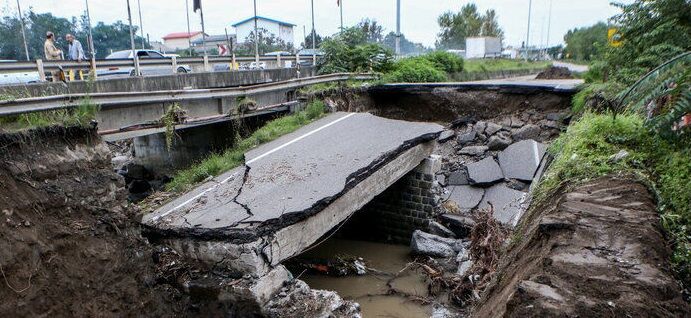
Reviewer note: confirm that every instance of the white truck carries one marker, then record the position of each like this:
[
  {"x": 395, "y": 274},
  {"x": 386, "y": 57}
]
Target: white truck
[{"x": 482, "y": 47}]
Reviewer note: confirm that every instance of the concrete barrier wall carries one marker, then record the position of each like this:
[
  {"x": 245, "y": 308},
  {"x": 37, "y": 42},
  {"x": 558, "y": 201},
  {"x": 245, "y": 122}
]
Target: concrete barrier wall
[
  {"x": 156, "y": 83},
  {"x": 478, "y": 76}
]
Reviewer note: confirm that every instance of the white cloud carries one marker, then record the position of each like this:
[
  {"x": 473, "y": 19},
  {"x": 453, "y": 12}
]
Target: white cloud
[{"x": 418, "y": 16}]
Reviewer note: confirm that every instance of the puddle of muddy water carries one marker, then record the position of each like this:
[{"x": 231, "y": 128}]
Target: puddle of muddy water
[{"x": 371, "y": 290}]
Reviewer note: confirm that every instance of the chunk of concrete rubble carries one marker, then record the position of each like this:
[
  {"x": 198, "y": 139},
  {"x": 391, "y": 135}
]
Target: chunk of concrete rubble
[
  {"x": 528, "y": 131},
  {"x": 466, "y": 197},
  {"x": 459, "y": 177},
  {"x": 440, "y": 311},
  {"x": 473, "y": 150},
  {"x": 446, "y": 135},
  {"x": 521, "y": 160},
  {"x": 441, "y": 179},
  {"x": 297, "y": 299},
  {"x": 464, "y": 262},
  {"x": 492, "y": 128},
  {"x": 461, "y": 225},
  {"x": 466, "y": 138},
  {"x": 480, "y": 127},
  {"x": 484, "y": 172},
  {"x": 499, "y": 141},
  {"x": 437, "y": 229},
  {"x": 432, "y": 245},
  {"x": 507, "y": 203}
]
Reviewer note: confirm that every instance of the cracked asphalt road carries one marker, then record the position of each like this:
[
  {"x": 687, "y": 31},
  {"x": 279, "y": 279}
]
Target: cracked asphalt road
[{"x": 288, "y": 179}]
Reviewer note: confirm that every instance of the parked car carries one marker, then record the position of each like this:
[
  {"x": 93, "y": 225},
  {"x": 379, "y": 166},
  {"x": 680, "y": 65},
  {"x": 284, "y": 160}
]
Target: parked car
[
  {"x": 255, "y": 66},
  {"x": 143, "y": 69}
]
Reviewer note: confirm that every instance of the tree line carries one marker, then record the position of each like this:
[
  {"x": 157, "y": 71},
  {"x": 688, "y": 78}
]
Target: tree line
[{"x": 107, "y": 37}]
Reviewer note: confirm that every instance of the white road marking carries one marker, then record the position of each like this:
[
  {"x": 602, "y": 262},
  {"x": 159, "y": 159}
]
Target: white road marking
[
  {"x": 535, "y": 154},
  {"x": 156, "y": 218}
]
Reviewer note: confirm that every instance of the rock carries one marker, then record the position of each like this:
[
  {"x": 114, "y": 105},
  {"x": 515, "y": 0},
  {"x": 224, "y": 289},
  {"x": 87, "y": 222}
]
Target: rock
[
  {"x": 499, "y": 142},
  {"x": 459, "y": 177},
  {"x": 446, "y": 135},
  {"x": 521, "y": 159},
  {"x": 466, "y": 197},
  {"x": 119, "y": 161},
  {"x": 464, "y": 267},
  {"x": 136, "y": 171},
  {"x": 437, "y": 229},
  {"x": 484, "y": 172},
  {"x": 507, "y": 203},
  {"x": 516, "y": 122},
  {"x": 492, "y": 128},
  {"x": 139, "y": 186},
  {"x": 528, "y": 131},
  {"x": 550, "y": 124},
  {"x": 466, "y": 138},
  {"x": 619, "y": 156},
  {"x": 461, "y": 121},
  {"x": 473, "y": 150},
  {"x": 458, "y": 224},
  {"x": 555, "y": 116},
  {"x": 441, "y": 179},
  {"x": 517, "y": 185},
  {"x": 540, "y": 291},
  {"x": 431, "y": 245},
  {"x": 480, "y": 127},
  {"x": 440, "y": 311}
]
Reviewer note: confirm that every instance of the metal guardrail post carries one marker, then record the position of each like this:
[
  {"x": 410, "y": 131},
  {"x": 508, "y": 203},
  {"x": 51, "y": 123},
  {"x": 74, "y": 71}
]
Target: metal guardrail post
[
  {"x": 41, "y": 70},
  {"x": 278, "y": 60},
  {"x": 174, "y": 62}
]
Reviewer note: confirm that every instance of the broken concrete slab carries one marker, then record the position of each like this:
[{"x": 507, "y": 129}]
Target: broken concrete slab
[
  {"x": 465, "y": 138},
  {"x": 507, "y": 203},
  {"x": 528, "y": 131},
  {"x": 461, "y": 225},
  {"x": 484, "y": 172},
  {"x": 473, "y": 150},
  {"x": 432, "y": 245},
  {"x": 499, "y": 141},
  {"x": 492, "y": 128},
  {"x": 458, "y": 177},
  {"x": 521, "y": 159},
  {"x": 446, "y": 135},
  {"x": 437, "y": 229},
  {"x": 465, "y": 196}
]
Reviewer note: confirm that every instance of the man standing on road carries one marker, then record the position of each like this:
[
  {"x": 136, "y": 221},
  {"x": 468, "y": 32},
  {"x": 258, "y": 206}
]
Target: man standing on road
[
  {"x": 75, "y": 51},
  {"x": 52, "y": 53}
]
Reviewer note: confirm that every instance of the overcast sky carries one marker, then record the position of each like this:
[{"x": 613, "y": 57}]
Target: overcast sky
[{"x": 419, "y": 17}]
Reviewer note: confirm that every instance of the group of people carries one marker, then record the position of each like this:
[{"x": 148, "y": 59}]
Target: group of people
[{"x": 75, "y": 51}]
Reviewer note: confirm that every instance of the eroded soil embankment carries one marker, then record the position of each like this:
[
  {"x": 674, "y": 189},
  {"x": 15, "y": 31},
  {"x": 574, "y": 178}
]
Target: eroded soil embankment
[
  {"x": 68, "y": 245},
  {"x": 595, "y": 251}
]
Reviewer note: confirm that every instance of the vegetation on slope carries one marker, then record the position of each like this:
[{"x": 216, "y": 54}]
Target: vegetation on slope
[
  {"x": 221, "y": 162},
  {"x": 82, "y": 115}
]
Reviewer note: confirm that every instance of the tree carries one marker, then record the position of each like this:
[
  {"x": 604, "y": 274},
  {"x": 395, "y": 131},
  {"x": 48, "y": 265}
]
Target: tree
[
  {"x": 586, "y": 44},
  {"x": 374, "y": 33},
  {"x": 456, "y": 27},
  {"x": 307, "y": 44},
  {"x": 653, "y": 32},
  {"x": 268, "y": 42},
  {"x": 111, "y": 38},
  {"x": 349, "y": 51}
]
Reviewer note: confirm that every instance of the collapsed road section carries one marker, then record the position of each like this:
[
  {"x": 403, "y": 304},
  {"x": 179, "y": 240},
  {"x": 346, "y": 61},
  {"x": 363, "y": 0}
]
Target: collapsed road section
[{"x": 291, "y": 191}]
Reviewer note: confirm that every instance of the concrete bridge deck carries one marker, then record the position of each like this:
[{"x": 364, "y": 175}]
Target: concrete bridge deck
[{"x": 293, "y": 190}]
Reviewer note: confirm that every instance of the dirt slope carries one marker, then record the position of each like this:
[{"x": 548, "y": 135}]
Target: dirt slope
[
  {"x": 596, "y": 251},
  {"x": 68, "y": 247}
]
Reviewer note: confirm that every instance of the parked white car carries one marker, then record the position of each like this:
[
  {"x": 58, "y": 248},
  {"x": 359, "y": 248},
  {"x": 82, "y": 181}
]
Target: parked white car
[{"x": 143, "y": 69}]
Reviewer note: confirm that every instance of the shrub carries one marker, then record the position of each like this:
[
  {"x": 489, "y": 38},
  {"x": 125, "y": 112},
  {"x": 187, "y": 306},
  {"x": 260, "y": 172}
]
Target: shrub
[
  {"x": 596, "y": 97},
  {"x": 415, "y": 70},
  {"x": 445, "y": 61}
]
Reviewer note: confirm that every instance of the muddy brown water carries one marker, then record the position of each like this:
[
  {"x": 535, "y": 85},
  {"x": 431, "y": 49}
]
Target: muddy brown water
[{"x": 373, "y": 290}]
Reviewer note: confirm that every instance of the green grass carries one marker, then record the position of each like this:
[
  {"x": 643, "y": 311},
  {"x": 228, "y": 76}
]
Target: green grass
[
  {"x": 234, "y": 157},
  {"x": 79, "y": 116},
  {"x": 323, "y": 87},
  {"x": 584, "y": 151},
  {"x": 490, "y": 65}
]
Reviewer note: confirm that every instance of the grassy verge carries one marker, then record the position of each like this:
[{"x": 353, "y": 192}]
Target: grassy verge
[
  {"x": 234, "y": 157},
  {"x": 490, "y": 65},
  {"x": 79, "y": 116},
  {"x": 586, "y": 150},
  {"x": 322, "y": 87}
]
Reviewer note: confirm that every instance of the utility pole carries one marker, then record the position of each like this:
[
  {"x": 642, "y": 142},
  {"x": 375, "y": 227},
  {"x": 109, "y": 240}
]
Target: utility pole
[
  {"x": 527, "y": 38},
  {"x": 549, "y": 21},
  {"x": 189, "y": 38},
  {"x": 141, "y": 24},
  {"x": 340, "y": 5},
  {"x": 256, "y": 36},
  {"x": 135, "y": 58},
  {"x": 21, "y": 19},
  {"x": 314, "y": 39},
  {"x": 91, "y": 39},
  {"x": 398, "y": 27},
  {"x": 201, "y": 15}
]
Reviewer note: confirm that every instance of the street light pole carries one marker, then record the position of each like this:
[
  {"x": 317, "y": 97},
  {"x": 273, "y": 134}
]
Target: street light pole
[
  {"x": 21, "y": 20},
  {"x": 256, "y": 36},
  {"x": 549, "y": 21},
  {"x": 314, "y": 39},
  {"x": 340, "y": 5},
  {"x": 398, "y": 27},
  {"x": 141, "y": 23},
  {"x": 91, "y": 39},
  {"x": 527, "y": 39},
  {"x": 134, "y": 51},
  {"x": 189, "y": 32}
]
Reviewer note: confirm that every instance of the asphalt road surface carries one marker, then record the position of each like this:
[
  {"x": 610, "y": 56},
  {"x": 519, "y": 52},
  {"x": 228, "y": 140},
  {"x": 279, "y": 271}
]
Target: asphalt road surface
[{"x": 288, "y": 179}]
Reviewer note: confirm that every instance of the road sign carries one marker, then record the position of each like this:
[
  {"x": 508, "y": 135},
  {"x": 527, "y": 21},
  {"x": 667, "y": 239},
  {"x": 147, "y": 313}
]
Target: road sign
[
  {"x": 223, "y": 50},
  {"x": 614, "y": 38}
]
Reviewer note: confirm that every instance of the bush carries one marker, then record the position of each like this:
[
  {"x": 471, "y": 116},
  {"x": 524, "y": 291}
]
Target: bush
[
  {"x": 596, "y": 97},
  {"x": 349, "y": 52},
  {"x": 596, "y": 72},
  {"x": 415, "y": 70},
  {"x": 445, "y": 61}
]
